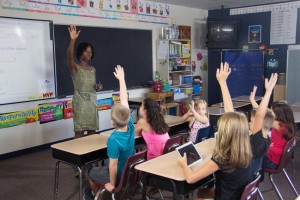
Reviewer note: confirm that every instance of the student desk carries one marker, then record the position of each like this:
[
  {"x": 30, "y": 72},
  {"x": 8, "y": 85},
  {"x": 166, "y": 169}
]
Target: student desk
[
  {"x": 214, "y": 115},
  {"x": 135, "y": 104},
  {"x": 242, "y": 106},
  {"x": 82, "y": 151},
  {"x": 236, "y": 104},
  {"x": 164, "y": 173},
  {"x": 78, "y": 153},
  {"x": 245, "y": 98}
]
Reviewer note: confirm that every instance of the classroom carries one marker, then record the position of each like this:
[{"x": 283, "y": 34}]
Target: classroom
[{"x": 170, "y": 51}]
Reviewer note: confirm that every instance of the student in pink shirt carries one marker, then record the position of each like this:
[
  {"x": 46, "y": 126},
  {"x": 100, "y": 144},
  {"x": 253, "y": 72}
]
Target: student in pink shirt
[{"x": 152, "y": 127}]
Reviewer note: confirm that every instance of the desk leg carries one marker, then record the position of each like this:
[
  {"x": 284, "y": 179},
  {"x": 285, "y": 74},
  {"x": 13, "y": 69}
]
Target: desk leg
[
  {"x": 56, "y": 179},
  {"x": 175, "y": 194},
  {"x": 144, "y": 188},
  {"x": 80, "y": 183}
]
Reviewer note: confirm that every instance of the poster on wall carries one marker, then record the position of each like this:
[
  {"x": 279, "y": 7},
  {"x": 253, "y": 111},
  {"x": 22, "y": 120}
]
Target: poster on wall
[
  {"x": 104, "y": 104},
  {"x": 254, "y": 34},
  {"x": 19, "y": 118},
  {"x": 68, "y": 113},
  {"x": 50, "y": 112}
]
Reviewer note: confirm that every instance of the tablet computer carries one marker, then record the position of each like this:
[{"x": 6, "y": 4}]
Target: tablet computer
[{"x": 192, "y": 155}]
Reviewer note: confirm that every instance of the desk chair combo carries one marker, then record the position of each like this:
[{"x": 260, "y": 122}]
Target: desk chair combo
[
  {"x": 130, "y": 179},
  {"x": 285, "y": 159}
]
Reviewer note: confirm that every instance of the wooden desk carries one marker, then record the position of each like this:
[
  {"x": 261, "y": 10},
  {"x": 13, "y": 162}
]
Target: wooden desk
[
  {"x": 82, "y": 151},
  {"x": 78, "y": 153},
  {"x": 215, "y": 111},
  {"x": 163, "y": 172},
  {"x": 295, "y": 108},
  {"x": 236, "y": 104},
  {"x": 245, "y": 98},
  {"x": 296, "y": 117},
  {"x": 135, "y": 104}
]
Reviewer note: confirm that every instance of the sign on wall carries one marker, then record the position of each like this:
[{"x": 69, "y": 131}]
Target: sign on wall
[{"x": 130, "y": 10}]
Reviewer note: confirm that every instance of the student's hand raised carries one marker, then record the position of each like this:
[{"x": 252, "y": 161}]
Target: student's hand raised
[
  {"x": 73, "y": 32},
  {"x": 270, "y": 84},
  {"x": 119, "y": 72},
  {"x": 223, "y": 72},
  {"x": 252, "y": 94},
  {"x": 182, "y": 161}
]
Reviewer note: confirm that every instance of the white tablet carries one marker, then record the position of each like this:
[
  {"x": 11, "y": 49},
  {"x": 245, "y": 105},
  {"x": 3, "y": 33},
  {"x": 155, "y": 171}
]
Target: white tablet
[{"x": 192, "y": 155}]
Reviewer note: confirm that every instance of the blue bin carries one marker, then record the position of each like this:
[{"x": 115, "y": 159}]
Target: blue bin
[{"x": 196, "y": 89}]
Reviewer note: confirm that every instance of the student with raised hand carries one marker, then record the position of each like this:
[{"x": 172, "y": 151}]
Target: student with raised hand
[
  {"x": 283, "y": 129},
  {"x": 260, "y": 124},
  {"x": 152, "y": 127},
  {"x": 232, "y": 155},
  {"x": 198, "y": 118},
  {"x": 120, "y": 144},
  {"x": 85, "y": 111}
]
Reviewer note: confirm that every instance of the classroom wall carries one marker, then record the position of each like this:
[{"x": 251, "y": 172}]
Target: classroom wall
[
  {"x": 246, "y": 20},
  {"x": 35, "y": 134}
]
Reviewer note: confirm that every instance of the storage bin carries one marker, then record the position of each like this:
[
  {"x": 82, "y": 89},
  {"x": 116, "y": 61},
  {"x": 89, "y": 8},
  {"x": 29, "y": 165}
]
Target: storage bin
[{"x": 196, "y": 89}]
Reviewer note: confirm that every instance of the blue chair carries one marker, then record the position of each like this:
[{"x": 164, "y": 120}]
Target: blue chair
[{"x": 203, "y": 134}]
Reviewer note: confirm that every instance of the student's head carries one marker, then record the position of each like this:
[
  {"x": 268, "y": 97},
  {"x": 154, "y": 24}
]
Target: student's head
[
  {"x": 284, "y": 118},
  {"x": 150, "y": 111},
  {"x": 233, "y": 143},
  {"x": 201, "y": 107},
  {"x": 120, "y": 116},
  {"x": 85, "y": 52},
  {"x": 268, "y": 119}
]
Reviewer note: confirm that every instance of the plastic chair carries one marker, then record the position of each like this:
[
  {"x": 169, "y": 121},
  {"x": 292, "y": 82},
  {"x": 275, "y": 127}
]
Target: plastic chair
[
  {"x": 130, "y": 179},
  {"x": 251, "y": 190},
  {"x": 203, "y": 134},
  {"x": 172, "y": 143},
  {"x": 285, "y": 159}
]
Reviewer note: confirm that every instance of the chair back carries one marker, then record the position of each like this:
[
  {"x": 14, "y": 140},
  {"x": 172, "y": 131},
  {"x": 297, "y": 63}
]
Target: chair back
[
  {"x": 285, "y": 157},
  {"x": 251, "y": 190},
  {"x": 202, "y": 134},
  {"x": 130, "y": 178},
  {"x": 172, "y": 143}
]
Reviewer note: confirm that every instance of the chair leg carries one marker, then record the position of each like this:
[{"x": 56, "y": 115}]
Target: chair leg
[
  {"x": 260, "y": 195},
  {"x": 289, "y": 180},
  {"x": 275, "y": 187}
]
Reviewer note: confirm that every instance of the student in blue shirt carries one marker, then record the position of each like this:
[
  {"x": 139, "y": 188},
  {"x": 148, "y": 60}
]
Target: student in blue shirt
[{"x": 120, "y": 145}]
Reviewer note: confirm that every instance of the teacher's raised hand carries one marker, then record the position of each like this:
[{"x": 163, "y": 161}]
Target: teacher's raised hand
[{"x": 73, "y": 32}]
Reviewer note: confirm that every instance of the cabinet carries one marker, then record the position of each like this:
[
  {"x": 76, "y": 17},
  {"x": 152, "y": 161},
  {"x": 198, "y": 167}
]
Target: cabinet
[{"x": 175, "y": 66}]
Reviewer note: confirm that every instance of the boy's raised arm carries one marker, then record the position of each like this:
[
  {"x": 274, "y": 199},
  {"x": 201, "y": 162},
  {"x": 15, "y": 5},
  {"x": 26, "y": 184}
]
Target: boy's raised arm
[
  {"x": 222, "y": 75},
  {"x": 119, "y": 74},
  {"x": 263, "y": 106}
]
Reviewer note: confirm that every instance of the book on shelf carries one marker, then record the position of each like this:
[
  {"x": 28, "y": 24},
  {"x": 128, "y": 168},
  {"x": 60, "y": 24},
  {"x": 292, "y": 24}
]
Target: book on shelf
[{"x": 185, "y": 50}]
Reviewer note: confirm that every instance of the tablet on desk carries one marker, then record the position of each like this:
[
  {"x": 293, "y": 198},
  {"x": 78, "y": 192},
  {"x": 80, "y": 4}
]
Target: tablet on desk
[{"x": 192, "y": 155}]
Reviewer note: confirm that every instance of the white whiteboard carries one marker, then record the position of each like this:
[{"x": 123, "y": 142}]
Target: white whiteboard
[
  {"x": 26, "y": 60},
  {"x": 292, "y": 74}
]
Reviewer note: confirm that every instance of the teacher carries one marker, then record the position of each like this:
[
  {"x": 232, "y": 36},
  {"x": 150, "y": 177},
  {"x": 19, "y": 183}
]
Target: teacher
[{"x": 85, "y": 112}]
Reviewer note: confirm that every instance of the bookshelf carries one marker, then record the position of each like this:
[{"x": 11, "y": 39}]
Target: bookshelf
[{"x": 175, "y": 66}]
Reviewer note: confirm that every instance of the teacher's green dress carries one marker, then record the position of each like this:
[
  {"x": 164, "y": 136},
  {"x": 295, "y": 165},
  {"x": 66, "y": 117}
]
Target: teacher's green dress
[{"x": 85, "y": 112}]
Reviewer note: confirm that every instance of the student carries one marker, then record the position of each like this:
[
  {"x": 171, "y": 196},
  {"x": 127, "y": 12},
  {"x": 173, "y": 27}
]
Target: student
[
  {"x": 260, "y": 124},
  {"x": 152, "y": 127},
  {"x": 198, "y": 118},
  {"x": 85, "y": 111},
  {"x": 232, "y": 154},
  {"x": 283, "y": 129},
  {"x": 120, "y": 145}
]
